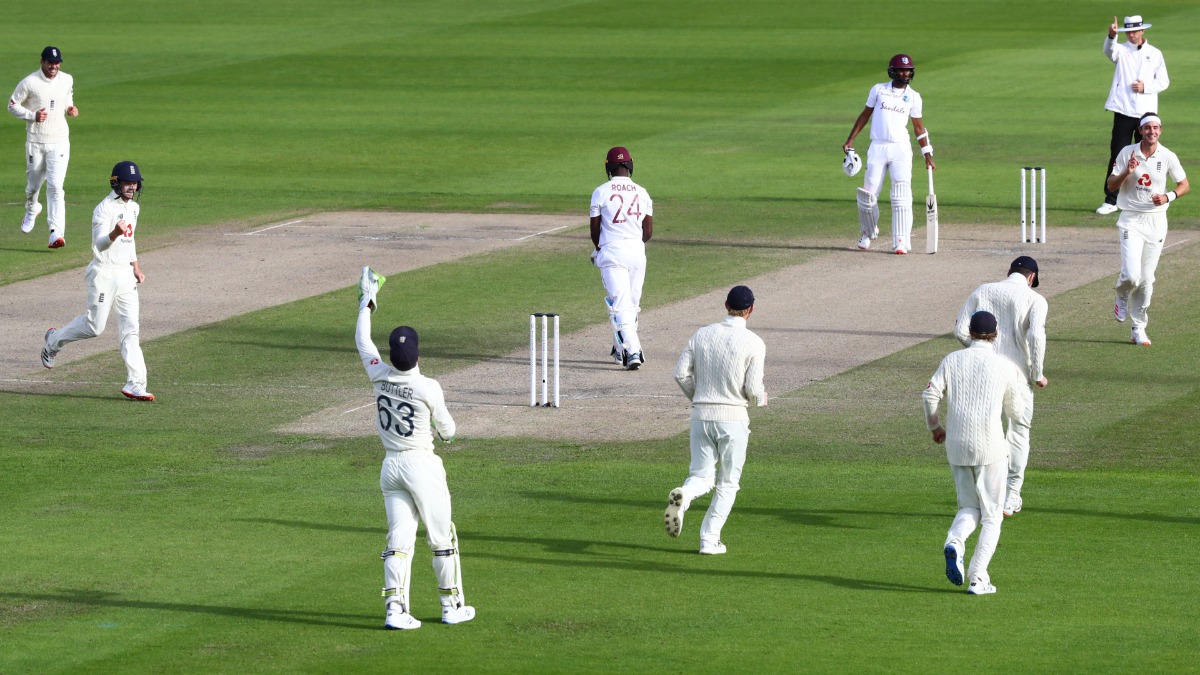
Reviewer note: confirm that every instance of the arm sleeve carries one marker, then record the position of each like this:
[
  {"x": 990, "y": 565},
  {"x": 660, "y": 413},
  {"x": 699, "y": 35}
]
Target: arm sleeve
[
  {"x": 594, "y": 205},
  {"x": 1175, "y": 169},
  {"x": 872, "y": 97},
  {"x": 362, "y": 339},
  {"x": 932, "y": 397},
  {"x": 1159, "y": 80},
  {"x": 1121, "y": 162},
  {"x": 1109, "y": 48},
  {"x": 70, "y": 91},
  {"x": 962, "y": 325},
  {"x": 918, "y": 107},
  {"x": 685, "y": 375},
  {"x": 14, "y": 104},
  {"x": 753, "y": 385},
  {"x": 442, "y": 421},
  {"x": 100, "y": 228},
  {"x": 1036, "y": 336}
]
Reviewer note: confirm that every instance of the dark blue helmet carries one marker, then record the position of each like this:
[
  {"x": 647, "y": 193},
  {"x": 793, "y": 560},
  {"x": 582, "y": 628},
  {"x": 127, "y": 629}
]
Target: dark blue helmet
[{"x": 126, "y": 172}]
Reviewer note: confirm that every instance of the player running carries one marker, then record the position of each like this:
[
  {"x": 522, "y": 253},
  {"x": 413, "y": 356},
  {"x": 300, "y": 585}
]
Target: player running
[
  {"x": 45, "y": 99},
  {"x": 409, "y": 408},
  {"x": 889, "y": 107},
  {"x": 112, "y": 280}
]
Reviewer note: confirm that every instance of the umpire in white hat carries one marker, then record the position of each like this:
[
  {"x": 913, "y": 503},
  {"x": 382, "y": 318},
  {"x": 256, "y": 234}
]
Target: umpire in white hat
[{"x": 1140, "y": 73}]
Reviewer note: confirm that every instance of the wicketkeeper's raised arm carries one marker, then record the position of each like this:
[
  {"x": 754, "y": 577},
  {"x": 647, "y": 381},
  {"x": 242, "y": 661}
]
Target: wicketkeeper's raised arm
[{"x": 362, "y": 337}]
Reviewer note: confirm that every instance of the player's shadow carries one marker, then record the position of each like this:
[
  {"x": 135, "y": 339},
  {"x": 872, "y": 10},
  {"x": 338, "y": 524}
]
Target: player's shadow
[
  {"x": 806, "y": 517},
  {"x": 1145, "y": 517},
  {"x": 597, "y": 558},
  {"x": 96, "y": 598},
  {"x": 305, "y": 525}
]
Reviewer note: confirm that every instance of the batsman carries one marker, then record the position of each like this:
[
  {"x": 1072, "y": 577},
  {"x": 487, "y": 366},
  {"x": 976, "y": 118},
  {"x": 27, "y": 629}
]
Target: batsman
[{"x": 889, "y": 107}]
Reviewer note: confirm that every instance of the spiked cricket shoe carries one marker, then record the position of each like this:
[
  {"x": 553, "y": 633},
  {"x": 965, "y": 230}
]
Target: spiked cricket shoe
[
  {"x": 1121, "y": 309},
  {"x": 954, "y": 564},
  {"x": 673, "y": 518}
]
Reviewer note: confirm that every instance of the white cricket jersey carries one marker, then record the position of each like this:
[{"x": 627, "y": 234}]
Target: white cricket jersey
[
  {"x": 37, "y": 92},
  {"x": 981, "y": 388},
  {"x": 622, "y": 205},
  {"x": 1133, "y": 64},
  {"x": 893, "y": 108},
  {"x": 1148, "y": 179},
  {"x": 721, "y": 371},
  {"x": 408, "y": 405},
  {"x": 1020, "y": 315},
  {"x": 108, "y": 213}
]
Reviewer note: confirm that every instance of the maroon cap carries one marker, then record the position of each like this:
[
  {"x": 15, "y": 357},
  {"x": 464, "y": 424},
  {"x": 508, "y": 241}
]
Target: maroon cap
[{"x": 618, "y": 155}]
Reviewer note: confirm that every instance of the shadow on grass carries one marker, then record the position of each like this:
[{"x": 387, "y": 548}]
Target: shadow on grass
[
  {"x": 674, "y": 568},
  {"x": 810, "y": 517},
  {"x": 94, "y": 598},
  {"x": 1146, "y": 517}
]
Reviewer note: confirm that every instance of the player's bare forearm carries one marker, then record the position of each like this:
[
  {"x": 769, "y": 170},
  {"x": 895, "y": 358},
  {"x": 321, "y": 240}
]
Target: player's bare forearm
[
  {"x": 595, "y": 227},
  {"x": 859, "y": 124},
  {"x": 647, "y": 228},
  {"x": 137, "y": 272}
]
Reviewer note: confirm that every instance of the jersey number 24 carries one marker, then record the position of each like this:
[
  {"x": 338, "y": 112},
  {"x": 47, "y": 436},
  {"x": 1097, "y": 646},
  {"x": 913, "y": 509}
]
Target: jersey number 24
[{"x": 634, "y": 209}]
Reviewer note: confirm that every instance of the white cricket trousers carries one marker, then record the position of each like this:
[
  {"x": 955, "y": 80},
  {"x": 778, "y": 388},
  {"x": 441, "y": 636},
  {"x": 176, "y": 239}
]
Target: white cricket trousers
[
  {"x": 897, "y": 160},
  {"x": 1017, "y": 437},
  {"x": 1141, "y": 236},
  {"x": 623, "y": 270},
  {"x": 109, "y": 286},
  {"x": 718, "y": 454},
  {"x": 414, "y": 487},
  {"x": 47, "y": 163},
  {"x": 980, "y": 503}
]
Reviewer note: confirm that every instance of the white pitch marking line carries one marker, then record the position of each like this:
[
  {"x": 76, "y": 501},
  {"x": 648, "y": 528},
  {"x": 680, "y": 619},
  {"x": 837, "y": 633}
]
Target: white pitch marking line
[
  {"x": 358, "y": 408},
  {"x": 535, "y": 234},
  {"x": 1184, "y": 241},
  {"x": 251, "y": 234}
]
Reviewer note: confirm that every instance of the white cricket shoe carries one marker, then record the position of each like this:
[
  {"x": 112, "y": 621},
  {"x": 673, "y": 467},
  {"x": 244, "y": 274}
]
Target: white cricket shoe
[
  {"x": 875, "y": 232},
  {"x": 1012, "y": 505},
  {"x": 954, "y": 564},
  {"x": 1106, "y": 209},
  {"x": 30, "y": 219},
  {"x": 368, "y": 287},
  {"x": 1139, "y": 337},
  {"x": 460, "y": 614},
  {"x": 398, "y": 619},
  {"x": 137, "y": 393},
  {"x": 47, "y": 353},
  {"x": 618, "y": 355},
  {"x": 1121, "y": 309},
  {"x": 864, "y": 243},
  {"x": 673, "y": 518},
  {"x": 978, "y": 587},
  {"x": 712, "y": 548}
]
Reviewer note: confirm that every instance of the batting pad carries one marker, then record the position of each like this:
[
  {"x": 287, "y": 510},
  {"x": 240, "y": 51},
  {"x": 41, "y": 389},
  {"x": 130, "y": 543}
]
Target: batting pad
[
  {"x": 868, "y": 213},
  {"x": 902, "y": 216}
]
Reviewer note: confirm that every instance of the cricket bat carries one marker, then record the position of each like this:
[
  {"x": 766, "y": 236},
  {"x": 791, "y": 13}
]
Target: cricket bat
[{"x": 931, "y": 218}]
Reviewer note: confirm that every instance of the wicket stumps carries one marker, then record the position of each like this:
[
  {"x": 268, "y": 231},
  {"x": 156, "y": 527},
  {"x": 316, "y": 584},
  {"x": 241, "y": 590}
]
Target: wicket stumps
[
  {"x": 1030, "y": 235},
  {"x": 533, "y": 349}
]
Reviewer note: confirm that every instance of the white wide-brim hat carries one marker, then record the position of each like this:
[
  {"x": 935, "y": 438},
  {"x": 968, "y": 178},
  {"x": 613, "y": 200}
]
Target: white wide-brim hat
[{"x": 1133, "y": 23}]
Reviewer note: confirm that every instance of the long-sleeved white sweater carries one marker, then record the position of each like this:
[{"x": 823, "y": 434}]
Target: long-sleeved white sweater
[
  {"x": 37, "y": 92},
  {"x": 1021, "y": 322},
  {"x": 721, "y": 371},
  {"x": 980, "y": 388}
]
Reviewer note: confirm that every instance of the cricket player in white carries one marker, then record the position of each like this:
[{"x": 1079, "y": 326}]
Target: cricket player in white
[
  {"x": 889, "y": 107},
  {"x": 721, "y": 372},
  {"x": 1139, "y": 176},
  {"x": 1140, "y": 73},
  {"x": 622, "y": 221},
  {"x": 1021, "y": 313},
  {"x": 44, "y": 100},
  {"x": 980, "y": 387},
  {"x": 409, "y": 408},
  {"x": 112, "y": 280}
]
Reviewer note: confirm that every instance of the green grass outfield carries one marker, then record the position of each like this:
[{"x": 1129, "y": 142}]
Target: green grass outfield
[{"x": 188, "y": 535}]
